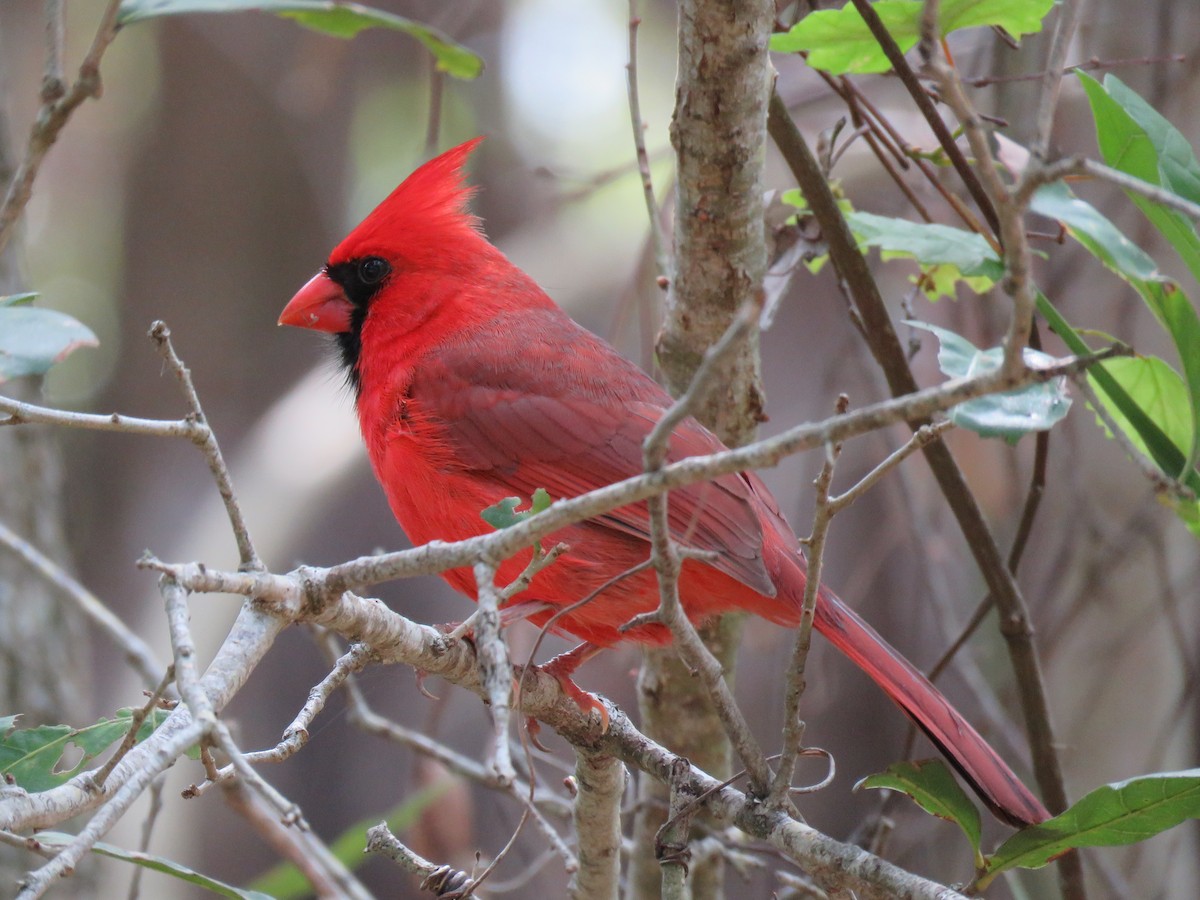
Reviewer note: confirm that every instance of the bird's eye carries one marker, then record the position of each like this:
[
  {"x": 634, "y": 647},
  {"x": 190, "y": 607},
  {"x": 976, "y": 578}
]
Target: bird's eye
[{"x": 372, "y": 270}]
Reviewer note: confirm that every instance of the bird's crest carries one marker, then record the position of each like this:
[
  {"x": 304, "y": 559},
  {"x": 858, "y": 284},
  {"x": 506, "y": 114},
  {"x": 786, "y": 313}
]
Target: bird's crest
[{"x": 428, "y": 206}]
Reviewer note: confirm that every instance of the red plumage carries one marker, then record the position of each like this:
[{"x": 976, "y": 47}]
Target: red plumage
[{"x": 472, "y": 385}]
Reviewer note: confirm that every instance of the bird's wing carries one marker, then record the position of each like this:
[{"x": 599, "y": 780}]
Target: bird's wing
[{"x": 570, "y": 417}]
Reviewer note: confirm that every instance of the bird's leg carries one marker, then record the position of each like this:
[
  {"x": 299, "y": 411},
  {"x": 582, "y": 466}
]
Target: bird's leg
[{"x": 563, "y": 666}]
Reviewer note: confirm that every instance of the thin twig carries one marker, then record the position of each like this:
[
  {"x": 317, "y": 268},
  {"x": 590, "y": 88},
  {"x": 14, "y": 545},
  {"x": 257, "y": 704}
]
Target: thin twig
[
  {"x": 441, "y": 881},
  {"x": 1073, "y": 166},
  {"x": 889, "y": 352},
  {"x": 795, "y": 684},
  {"x": 438, "y": 556},
  {"x": 52, "y": 80},
  {"x": 156, "y": 807},
  {"x": 206, "y": 440},
  {"x": 20, "y": 413},
  {"x": 1009, "y": 208},
  {"x": 1086, "y": 66},
  {"x": 137, "y": 652},
  {"x": 1070, "y": 12},
  {"x": 495, "y": 668},
  {"x": 327, "y": 874},
  {"x": 661, "y": 264},
  {"x": 667, "y": 560},
  {"x": 135, "y": 725},
  {"x": 52, "y": 116},
  {"x": 920, "y": 439},
  {"x": 917, "y": 92}
]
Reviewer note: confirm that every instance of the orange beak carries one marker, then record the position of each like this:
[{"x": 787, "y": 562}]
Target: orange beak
[{"x": 321, "y": 305}]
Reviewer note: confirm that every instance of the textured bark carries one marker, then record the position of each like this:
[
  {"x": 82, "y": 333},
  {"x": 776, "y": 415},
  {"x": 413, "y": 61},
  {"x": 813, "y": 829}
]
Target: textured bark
[
  {"x": 719, "y": 133},
  {"x": 600, "y": 780},
  {"x": 43, "y": 661}
]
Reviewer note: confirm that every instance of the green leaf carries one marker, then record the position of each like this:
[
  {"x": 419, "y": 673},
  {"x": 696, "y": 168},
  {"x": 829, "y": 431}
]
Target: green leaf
[
  {"x": 1137, "y": 141},
  {"x": 33, "y": 757},
  {"x": 839, "y": 41},
  {"x": 930, "y": 244},
  {"x": 1110, "y": 816},
  {"x": 18, "y": 299},
  {"x": 334, "y": 17},
  {"x": 1011, "y": 414},
  {"x": 1169, "y": 304},
  {"x": 285, "y": 881},
  {"x": 1177, "y": 164},
  {"x": 947, "y": 256},
  {"x": 1157, "y": 389},
  {"x": 33, "y": 339},
  {"x": 505, "y": 513},
  {"x": 1162, "y": 451},
  {"x": 1160, "y": 393},
  {"x": 155, "y": 863},
  {"x": 931, "y": 785}
]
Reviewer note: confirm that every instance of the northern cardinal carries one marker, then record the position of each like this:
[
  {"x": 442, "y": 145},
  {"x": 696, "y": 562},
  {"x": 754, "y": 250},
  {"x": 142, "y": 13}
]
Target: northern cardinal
[{"x": 472, "y": 386}]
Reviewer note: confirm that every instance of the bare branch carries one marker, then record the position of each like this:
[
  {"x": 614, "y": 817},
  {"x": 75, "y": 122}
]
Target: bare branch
[
  {"x": 896, "y": 57},
  {"x": 206, "y": 440},
  {"x": 1065, "y": 168},
  {"x": 661, "y": 263},
  {"x": 19, "y": 413},
  {"x": 793, "y": 727},
  {"x": 601, "y": 783},
  {"x": 441, "y": 881},
  {"x": 52, "y": 80},
  {"x": 135, "y": 725},
  {"x": 55, "y": 113},
  {"x": 495, "y": 668},
  {"x": 137, "y": 652},
  {"x": 921, "y": 438},
  {"x": 327, "y": 874},
  {"x": 889, "y": 352},
  {"x": 1070, "y": 12}
]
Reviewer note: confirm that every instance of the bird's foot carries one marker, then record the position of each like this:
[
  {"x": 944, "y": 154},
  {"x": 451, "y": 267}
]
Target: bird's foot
[{"x": 563, "y": 666}]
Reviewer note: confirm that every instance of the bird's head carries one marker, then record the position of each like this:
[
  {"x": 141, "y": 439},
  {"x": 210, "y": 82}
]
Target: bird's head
[{"x": 417, "y": 228}]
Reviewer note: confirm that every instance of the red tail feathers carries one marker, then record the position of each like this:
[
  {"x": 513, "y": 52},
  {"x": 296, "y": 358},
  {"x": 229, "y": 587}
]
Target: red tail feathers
[{"x": 970, "y": 754}]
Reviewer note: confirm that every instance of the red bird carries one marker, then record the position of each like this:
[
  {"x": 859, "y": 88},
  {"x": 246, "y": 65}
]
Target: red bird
[{"x": 472, "y": 386}]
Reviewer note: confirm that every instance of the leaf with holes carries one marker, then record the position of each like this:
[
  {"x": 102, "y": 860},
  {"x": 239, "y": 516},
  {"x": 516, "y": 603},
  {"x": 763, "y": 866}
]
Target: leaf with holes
[{"x": 38, "y": 759}]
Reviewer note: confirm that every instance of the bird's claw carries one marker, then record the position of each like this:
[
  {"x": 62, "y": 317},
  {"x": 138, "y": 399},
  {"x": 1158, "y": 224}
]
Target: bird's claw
[{"x": 560, "y": 669}]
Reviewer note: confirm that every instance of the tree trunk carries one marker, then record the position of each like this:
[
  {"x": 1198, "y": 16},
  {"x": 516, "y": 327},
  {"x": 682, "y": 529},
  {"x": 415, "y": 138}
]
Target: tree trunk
[{"x": 720, "y": 134}]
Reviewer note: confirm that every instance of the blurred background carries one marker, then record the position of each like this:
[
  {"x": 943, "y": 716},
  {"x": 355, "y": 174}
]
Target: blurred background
[{"x": 230, "y": 153}]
